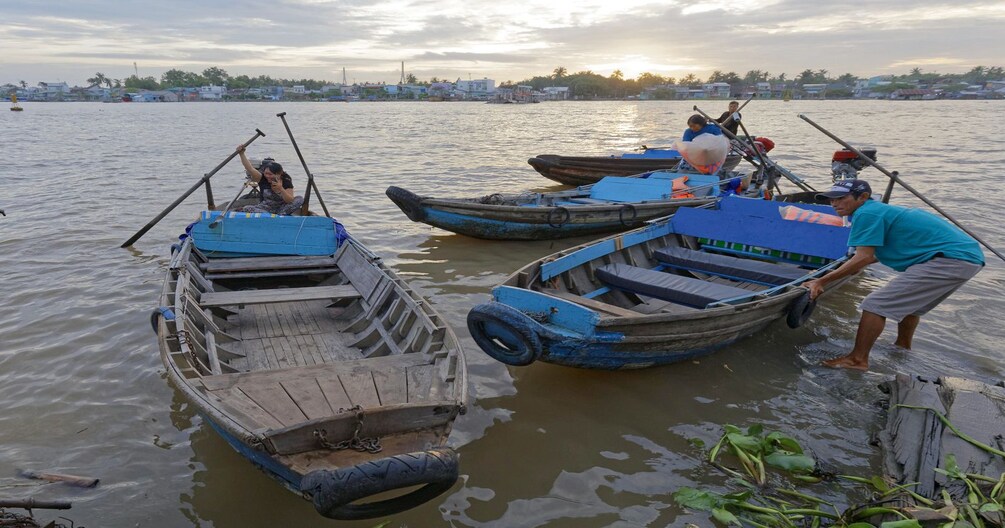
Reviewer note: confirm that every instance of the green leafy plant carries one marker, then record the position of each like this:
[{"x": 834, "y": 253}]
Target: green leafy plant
[{"x": 762, "y": 505}]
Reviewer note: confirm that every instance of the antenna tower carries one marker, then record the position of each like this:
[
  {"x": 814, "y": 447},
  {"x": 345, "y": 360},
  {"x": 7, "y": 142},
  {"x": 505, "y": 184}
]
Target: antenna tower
[{"x": 136, "y": 70}]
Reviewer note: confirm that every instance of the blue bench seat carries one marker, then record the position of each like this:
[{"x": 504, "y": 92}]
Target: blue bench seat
[
  {"x": 667, "y": 286},
  {"x": 728, "y": 266}
]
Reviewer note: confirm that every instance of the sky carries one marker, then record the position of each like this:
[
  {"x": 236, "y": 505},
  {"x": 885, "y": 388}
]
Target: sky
[{"x": 504, "y": 40}]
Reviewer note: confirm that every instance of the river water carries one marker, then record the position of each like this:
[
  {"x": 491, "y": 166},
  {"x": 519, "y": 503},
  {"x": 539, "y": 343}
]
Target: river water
[{"x": 83, "y": 391}]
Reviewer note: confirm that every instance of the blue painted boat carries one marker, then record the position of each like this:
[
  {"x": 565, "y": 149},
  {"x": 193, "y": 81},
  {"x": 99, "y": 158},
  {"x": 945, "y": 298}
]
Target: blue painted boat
[
  {"x": 613, "y": 204},
  {"x": 667, "y": 292},
  {"x": 313, "y": 360}
]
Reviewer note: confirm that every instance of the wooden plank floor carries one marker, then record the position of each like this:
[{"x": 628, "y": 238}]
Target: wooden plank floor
[
  {"x": 276, "y": 399},
  {"x": 283, "y": 335}
]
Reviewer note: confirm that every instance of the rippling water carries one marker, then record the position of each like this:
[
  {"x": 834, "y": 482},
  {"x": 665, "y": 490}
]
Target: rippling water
[{"x": 82, "y": 389}]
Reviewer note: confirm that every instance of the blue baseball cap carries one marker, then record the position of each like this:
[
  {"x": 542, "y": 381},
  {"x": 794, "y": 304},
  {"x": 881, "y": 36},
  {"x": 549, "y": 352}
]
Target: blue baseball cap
[{"x": 845, "y": 187}]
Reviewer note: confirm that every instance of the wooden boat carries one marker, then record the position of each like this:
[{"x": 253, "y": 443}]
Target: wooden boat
[
  {"x": 663, "y": 293},
  {"x": 313, "y": 360},
  {"x": 14, "y": 107},
  {"x": 613, "y": 204},
  {"x": 584, "y": 170}
]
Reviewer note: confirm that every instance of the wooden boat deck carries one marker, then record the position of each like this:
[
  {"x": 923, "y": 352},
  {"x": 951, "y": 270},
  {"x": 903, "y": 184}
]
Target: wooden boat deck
[{"x": 275, "y": 399}]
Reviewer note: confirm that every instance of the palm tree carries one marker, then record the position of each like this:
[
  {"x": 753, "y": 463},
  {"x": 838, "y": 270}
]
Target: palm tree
[
  {"x": 915, "y": 72},
  {"x": 559, "y": 72},
  {"x": 24, "y": 85},
  {"x": 616, "y": 74},
  {"x": 98, "y": 79},
  {"x": 689, "y": 79}
]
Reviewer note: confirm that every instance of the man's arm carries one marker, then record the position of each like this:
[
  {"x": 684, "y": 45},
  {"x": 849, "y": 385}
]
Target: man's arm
[{"x": 864, "y": 256}]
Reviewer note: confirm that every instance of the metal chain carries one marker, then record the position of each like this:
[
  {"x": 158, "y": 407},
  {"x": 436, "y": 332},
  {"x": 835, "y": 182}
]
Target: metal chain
[{"x": 363, "y": 445}]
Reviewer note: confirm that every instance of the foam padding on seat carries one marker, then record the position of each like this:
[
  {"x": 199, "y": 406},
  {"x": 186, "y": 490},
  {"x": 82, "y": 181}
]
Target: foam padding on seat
[
  {"x": 667, "y": 286},
  {"x": 728, "y": 266}
]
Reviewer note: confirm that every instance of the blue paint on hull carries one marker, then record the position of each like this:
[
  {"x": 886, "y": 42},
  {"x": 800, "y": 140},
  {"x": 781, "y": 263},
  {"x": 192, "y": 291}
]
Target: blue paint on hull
[
  {"x": 272, "y": 467},
  {"x": 607, "y": 356},
  {"x": 499, "y": 230}
]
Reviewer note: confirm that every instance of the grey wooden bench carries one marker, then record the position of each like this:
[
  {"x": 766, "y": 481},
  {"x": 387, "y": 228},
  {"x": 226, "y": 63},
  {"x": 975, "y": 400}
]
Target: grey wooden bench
[{"x": 317, "y": 293}]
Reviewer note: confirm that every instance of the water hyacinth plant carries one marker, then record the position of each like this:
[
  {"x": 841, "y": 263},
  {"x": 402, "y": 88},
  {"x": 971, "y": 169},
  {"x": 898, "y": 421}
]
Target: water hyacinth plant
[{"x": 769, "y": 500}]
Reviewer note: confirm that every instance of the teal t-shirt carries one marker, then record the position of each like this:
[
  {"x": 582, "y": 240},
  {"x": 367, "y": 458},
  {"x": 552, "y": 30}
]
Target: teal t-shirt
[{"x": 904, "y": 237}]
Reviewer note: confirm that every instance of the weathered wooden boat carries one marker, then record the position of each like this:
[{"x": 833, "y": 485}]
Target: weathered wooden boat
[
  {"x": 663, "y": 293},
  {"x": 584, "y": 170},
  {"x": 612, "y": 204},
  {"x": 313, "y": 360}
]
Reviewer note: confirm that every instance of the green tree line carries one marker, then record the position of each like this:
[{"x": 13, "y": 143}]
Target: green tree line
[{"x": 581, "y": 84}]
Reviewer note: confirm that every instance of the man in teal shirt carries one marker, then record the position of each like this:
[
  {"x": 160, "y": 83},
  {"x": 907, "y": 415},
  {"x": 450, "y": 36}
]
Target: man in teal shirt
[{"x": 934, "y": 257}]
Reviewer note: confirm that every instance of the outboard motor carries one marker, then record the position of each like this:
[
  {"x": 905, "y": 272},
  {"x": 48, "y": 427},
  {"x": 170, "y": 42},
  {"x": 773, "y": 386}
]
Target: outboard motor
[{"x": 845, "y": 164}]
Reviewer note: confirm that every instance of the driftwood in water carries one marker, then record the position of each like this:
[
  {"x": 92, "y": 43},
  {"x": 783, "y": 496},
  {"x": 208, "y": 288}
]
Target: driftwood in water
[
  {"x": 31, "y": 504},
  {"x": 915, "y": 441},
  {"x": 73, "y": 480}
]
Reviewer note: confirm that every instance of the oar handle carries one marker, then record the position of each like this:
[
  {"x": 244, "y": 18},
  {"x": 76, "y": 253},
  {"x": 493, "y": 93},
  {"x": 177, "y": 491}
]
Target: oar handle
[
  {"x": 893, "y": 176},
  {"x": 310, "y": 177},
  {"x": 205, "y": 178}
]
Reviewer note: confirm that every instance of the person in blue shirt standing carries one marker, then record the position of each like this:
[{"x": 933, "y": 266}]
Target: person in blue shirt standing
[
  {"x": 698, "y": 125},
  {"x": 934, "y": 257}
]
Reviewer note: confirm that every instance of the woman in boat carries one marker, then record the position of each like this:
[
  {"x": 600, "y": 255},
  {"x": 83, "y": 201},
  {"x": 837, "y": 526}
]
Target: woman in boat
[
  {"x": 275, "y": 188},
  {"x": 698, "y": 125}
]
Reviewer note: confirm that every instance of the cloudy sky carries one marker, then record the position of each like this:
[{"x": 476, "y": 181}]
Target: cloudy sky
[{"x": 499, "y": 39}]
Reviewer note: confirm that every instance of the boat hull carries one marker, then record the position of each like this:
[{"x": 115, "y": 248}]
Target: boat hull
[
  {"x": 325, "y": 371},
  {"x": 549, "y": 216},
  {"x": 624, "y": 302},
  {"x": 584, "y": 170}
]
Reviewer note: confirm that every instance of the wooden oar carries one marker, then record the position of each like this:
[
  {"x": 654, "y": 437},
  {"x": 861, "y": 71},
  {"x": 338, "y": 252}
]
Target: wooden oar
[
  {"x": 796, "y": 180},
  {"x": 310, "y": 177},
  {"x": 644, "y": 148},
  {"x": 216, "y": 221},
  {"x": 894, "y": 177},
  {"x": 204, "y": 180},
  {"x": 730, "y": 118}
]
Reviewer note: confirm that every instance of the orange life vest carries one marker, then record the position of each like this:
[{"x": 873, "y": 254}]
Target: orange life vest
[
  {"x": 680, "y": 188},
  {"x": 791, "y": 212}
]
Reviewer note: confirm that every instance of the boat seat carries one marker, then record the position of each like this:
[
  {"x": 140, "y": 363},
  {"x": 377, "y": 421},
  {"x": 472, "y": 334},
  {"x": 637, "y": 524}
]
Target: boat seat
[
  {"x": 316, "y": 293},
  {"x": 667, "y": 286},
  {"x": 728, "y": 266}
]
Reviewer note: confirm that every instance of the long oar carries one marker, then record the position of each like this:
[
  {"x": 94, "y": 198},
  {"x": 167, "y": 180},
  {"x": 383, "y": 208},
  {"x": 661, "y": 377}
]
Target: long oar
[
  {"x": 310, "y": 177},
  {"x": 205, "y": 179},
  {"x": 799, "y": 182},
  {"x": 893, "y": 176},
  {"x": 643, "y": 147},
  {"x": 730, "y": 118},
  {"x": 216, "y": 221}
]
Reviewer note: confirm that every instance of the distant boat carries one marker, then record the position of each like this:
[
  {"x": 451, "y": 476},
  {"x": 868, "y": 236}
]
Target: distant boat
[
  {"x": 787, "y": 96},
  {"x": 14, "y": 107}
]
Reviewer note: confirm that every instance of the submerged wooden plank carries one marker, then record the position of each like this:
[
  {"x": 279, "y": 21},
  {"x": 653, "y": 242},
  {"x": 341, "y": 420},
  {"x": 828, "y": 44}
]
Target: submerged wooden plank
[{"x": 277, "y": 295}]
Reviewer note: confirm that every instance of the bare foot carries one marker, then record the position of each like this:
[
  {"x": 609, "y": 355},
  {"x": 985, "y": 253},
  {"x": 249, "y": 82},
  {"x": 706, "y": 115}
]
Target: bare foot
[{"x": 846, "y": 362}]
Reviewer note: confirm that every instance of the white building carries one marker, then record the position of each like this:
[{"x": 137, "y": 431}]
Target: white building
[
  {"x": 716, "y": 89},
  {"x": 212, "y": 93},
  {"x": 298, "y": 89},
  {"x": 476, "y": 88}
]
